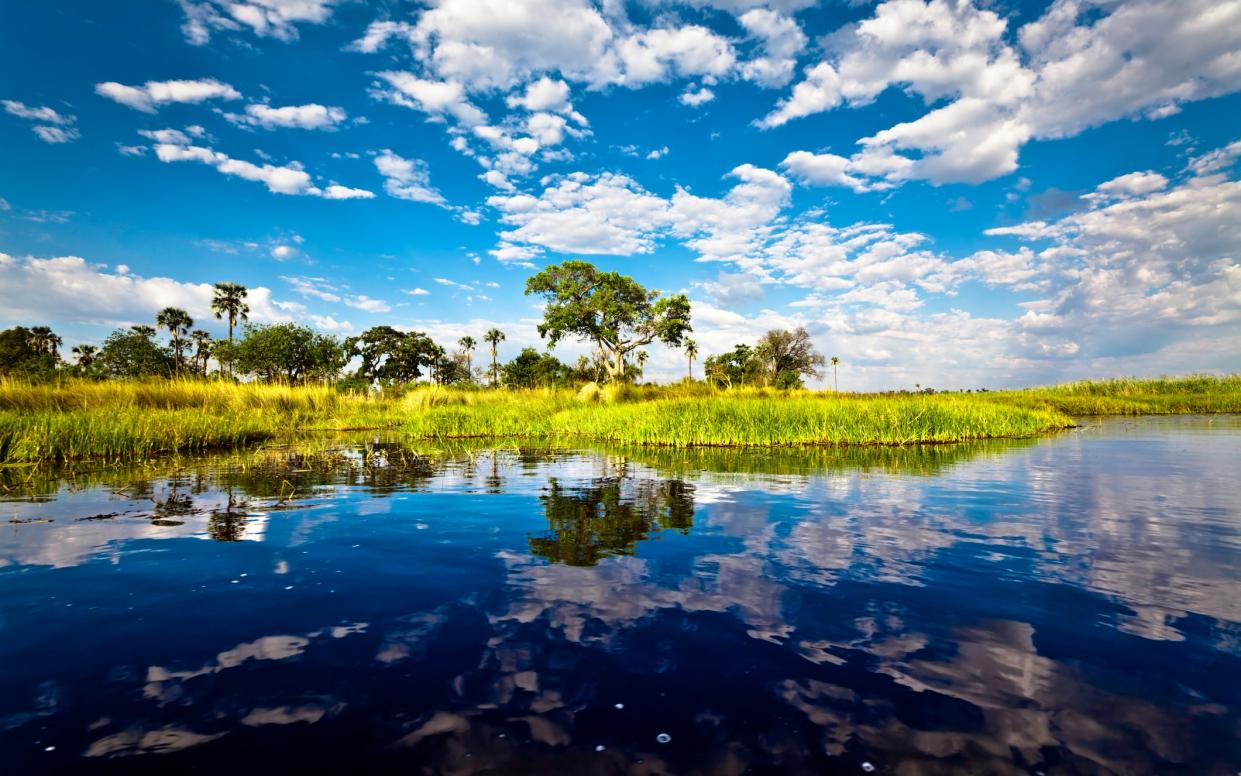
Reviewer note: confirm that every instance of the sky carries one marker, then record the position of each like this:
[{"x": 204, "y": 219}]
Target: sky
[{"x": 945, "y": 193}]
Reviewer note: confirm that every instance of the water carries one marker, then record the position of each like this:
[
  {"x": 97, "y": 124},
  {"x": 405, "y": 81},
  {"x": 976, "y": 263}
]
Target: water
[{"x": 1067, "y": 605}]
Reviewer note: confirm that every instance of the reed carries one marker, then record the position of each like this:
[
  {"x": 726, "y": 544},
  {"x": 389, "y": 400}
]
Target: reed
[{"x": 80, "y": 420}]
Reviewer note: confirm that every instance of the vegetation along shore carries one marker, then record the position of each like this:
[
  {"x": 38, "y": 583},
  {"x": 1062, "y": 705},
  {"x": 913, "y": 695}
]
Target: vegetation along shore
[{"x": 136, "y": 397}]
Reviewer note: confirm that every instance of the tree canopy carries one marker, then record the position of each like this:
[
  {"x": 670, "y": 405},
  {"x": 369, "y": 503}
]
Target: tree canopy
[
  {"x": 286, "y": 351},
  {"x": 612, "y": 311}
]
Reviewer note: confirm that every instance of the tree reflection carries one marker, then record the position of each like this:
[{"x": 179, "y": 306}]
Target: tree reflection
[{"x": 609, "y": 517}]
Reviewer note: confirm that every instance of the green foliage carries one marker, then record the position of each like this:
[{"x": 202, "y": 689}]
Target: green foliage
[
  {"x": 532, "y": 369},
  {"x": 392, "y": 355},
  {"x": 610, "y": 310},
  {"x": 288, "y": 352},
  {"x": 29, "y": 353},
  {"x": 133, "y": 353}
]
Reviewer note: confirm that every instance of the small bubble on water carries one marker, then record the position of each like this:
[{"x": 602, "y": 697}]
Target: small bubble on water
[
  {"x": 663, "y": 738},
  {"x": 242, "y": 574},
  {"x": 600, "y": 748},
  {"x": 50, "y": 749},
  {"x": 620, "y": 705},
  {"x": 236, "y": 581},
  {"x": 868, "y": 767},
  {"x": 288, "y": 587}
]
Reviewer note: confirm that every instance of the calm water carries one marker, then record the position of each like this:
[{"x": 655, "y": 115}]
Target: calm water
[{"x": 1070, "y": 605}]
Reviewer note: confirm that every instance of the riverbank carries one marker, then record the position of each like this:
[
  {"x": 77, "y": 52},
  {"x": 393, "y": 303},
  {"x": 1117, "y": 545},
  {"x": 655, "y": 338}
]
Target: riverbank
[{"x": 82, "y": 420}]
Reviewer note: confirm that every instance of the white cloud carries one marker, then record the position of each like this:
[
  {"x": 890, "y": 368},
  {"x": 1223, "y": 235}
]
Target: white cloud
[
  {"x": 68, "y": 289},
  {"x": 695, "y": 97},
  {"x": 407, "y": 178},
  {"x": 822, "y": 170},
  {"x": 418, "y": 292},
  {"x": 782, "y": 41},
  {"x": 658, "y": 153},
  {"x": 1082, "y": 64},
  {"x": 279, "y": 179},
  {"x": 148, "y": 97},
  {"x": 53, "y": 127},
  {"x": 309, "y": 116},
  {"x": 436, "y": 98},
  {"x": 265, "y": 18},
  {"x": 283, "y": 252},
  {"x": 1133, "y": 184},
  {"x": 50, "y": 134},
  {"x": 314, "y": 287},
  {"x": 366, "y": 304}
]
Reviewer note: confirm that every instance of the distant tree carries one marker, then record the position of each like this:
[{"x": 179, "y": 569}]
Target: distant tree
[
  {"x": 532, "y": 369},
  {"x": 25, "y": 353},
  {"x": 641, "y": 358},
  {"x": 288, "y": 352},
  {"x": 178, "y": 323},
  {"x": 134, "y": 353},
  {"x": 86, "y": 357},
  {"x": 44, "y": 340},
  {"x": 607, "y": 309},
  {"x": 391, "y": 355},
  {"x": 454, "y": 369},
  {"x": 468, "y": 344},
  {"x": 737, "y": 367},
  {"x": 202, "y": 350},
  {"x": 835, "y": 383},
  {"x": 691, "y": 352},
  {"x": 493, "y": 338},
  {"x": 228, "y": 300},
  {"x": 788, "y": 356},
  {"x": 143, "y": 330}
]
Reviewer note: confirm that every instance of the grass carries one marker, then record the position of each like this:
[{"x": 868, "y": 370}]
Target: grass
[{"x": 86, "y": 421}]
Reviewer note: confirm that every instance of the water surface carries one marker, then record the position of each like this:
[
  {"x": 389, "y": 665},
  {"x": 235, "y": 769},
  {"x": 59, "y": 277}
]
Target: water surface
[{"x": 1065, "y": 605}]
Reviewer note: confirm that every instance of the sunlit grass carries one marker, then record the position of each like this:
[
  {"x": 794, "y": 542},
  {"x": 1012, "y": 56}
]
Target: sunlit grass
[{"x": 81, "y": 420}]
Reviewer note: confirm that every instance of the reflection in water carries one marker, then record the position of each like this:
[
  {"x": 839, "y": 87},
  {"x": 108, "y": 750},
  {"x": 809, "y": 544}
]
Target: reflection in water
[{"x": 1068, "y": 605}]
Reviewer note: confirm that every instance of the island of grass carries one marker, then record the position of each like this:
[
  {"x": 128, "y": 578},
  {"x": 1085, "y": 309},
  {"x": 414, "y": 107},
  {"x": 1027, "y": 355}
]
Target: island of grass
[{"x": 79, "y": 420}]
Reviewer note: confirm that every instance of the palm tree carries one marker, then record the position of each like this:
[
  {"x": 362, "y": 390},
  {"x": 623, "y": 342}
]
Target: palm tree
[
  {"x": 230, "y": 300},
  {"x": 468, "y": 344},
  {"x": 143, "y": 330},
  {"x": 178, "y": 323},
  {"x": 44, "y": 340},
  {"x": 641, "y": 358},
  {"x": 86, "y": 356},
  {"x": 691, "y": 350},
  {"x": 202, "y": 344},
  {"x": 835, "y": 382},
  {"x": 494, "y": 337}
]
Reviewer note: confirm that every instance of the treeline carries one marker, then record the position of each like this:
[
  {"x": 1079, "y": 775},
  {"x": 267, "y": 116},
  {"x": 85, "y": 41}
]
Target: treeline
[{"x": 613, "y": 313}]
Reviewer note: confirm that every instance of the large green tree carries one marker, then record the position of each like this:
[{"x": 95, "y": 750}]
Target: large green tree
[
  {"x": 26, "y": 352},
  {"x": 532, "y": 369},
  {"x": 134, "y": 353},
  {"x": 288, "y": 352},
  {"x": 392, "y": 355},
  {"x": 611, "y": 311},
  {"x": 788, "y": 356}
]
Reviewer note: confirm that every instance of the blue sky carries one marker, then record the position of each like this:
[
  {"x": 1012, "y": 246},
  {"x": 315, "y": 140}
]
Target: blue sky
[{"x": 956, "y": 194}]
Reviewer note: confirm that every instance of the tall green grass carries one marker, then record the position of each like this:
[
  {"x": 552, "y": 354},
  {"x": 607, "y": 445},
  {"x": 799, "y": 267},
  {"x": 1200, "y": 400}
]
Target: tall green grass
[{"x": 118, "y": 420}]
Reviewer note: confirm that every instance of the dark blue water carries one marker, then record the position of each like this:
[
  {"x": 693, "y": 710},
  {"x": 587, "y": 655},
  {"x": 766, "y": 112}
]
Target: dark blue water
[{"x": 1067, "y": 605}]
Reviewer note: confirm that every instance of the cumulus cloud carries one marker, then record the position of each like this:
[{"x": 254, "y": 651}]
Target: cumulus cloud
[
  {"x": 695, "y": 97},
  {"x": 309, "y": 116},
  {"x": 151, "y": 95},
  {"x": 1081, "y": 64},
  {"x": 172, "y": 146},
  {"x": 69, "y": 289},
  {"x": 407, "y": 178}
]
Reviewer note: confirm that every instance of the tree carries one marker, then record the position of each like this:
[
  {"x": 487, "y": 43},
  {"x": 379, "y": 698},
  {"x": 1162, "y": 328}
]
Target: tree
[
  {"x": 24, "y": 353},
  {"x": 691, "y": 351},
  {"x": 736, "y": 367},
  {"x": 608, "y": 309},
  {"x": 835, "y": 382},
  {"x": 229, "y": 300},
  {"x": 202, "y": 349},
  {"x": 468, "y": 344},
  {"x": 86, "y": 356},
  {"x": 45, "y": 341},
  {"x": 494, "y": 337},
  {"x": 787, "y": 357},
  {"x": 178, "y": 323},
  {"x": 289, "y": 352},
  {"x": 532, "y": 369},
  {"x": 641, "y": 359},
  {"x": 392, "y": 355},
  {"x": 134, "y": 353}
]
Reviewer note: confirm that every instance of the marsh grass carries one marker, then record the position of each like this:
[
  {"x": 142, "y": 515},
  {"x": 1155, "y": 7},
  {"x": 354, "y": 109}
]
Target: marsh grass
[{"x": 82, "y": 420}]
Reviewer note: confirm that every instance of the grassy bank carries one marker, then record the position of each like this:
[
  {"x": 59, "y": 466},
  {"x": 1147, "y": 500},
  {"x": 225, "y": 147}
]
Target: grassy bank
[{"x": 81, "y": 420}]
